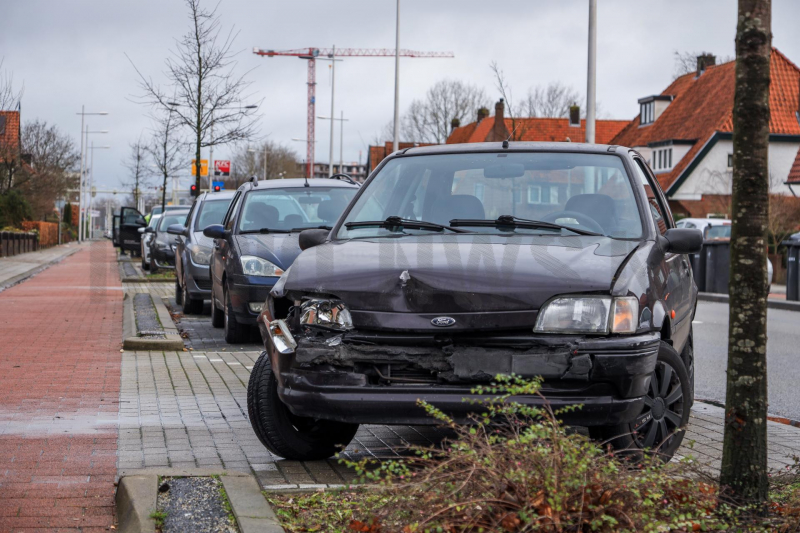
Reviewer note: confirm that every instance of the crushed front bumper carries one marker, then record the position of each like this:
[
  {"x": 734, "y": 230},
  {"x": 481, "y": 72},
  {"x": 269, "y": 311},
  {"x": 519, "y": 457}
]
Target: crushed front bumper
[{"x": 346, "y": 379}]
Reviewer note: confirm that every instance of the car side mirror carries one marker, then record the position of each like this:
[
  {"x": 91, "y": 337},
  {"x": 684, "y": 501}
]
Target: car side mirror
[
  {"x": 141, "y": 230},
  {"x": 176, "y": 229},
  {"x": 215, "y": 231},
  {"x": 312, "y": 237},
  {"x": 148, "y": 229},
  {"x": 682, "y": 241}
]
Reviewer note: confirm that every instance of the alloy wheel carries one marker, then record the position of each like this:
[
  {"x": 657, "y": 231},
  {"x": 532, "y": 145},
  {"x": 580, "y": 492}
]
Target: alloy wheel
[{"x": 663, "y": 410}]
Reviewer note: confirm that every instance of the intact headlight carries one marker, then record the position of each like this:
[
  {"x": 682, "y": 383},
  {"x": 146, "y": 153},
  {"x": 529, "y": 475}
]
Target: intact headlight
[
  {"x": 200, "y": 254},
  {"x": 326, "y": 313},
  {"x": 588, "y": 314},
  {"x": 255, "y": 266}
]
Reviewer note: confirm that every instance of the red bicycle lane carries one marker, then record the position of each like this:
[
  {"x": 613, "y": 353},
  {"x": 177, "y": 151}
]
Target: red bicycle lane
[{"x": 60, "y": 335}]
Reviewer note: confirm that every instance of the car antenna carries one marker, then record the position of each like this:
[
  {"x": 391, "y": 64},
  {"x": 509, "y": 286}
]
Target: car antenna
[
  {"x": 505, "y": 143},
  {"x": 306, "y": 183}
]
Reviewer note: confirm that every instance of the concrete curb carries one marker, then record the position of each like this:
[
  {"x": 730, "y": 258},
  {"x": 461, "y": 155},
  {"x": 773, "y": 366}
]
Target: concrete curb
[
  {"x": 136, "y": 499},
  {"x": 772, "y": 418},
  {"x": 130, "y": 340},
  {"x": 10, "y": 282},
  {"x": 771, "y": 304},
  {"x": 252, "y": 511}
]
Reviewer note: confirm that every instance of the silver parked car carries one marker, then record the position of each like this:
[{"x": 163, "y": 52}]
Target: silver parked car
[{"x": 145, "y": 243}]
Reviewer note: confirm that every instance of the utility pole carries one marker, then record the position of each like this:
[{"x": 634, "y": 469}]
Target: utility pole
[
  {"x": 83, "y": 114},
  {"x": 333, "y": 86},
  {"x": 341, "y": 141},
  {"x": 396, "y": 140},
  {"x": 591, "y": 81}
]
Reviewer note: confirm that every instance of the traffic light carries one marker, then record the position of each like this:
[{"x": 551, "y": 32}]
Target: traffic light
[
  {"x": 194, "y": 190},
  {"x": 217, "y": 188}
]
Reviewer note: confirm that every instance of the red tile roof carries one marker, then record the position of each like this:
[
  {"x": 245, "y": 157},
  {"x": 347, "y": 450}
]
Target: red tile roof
[
  {"x": 703, "y": 106},
  {"x": 794, "y": 173},
  {"x": 538, "y": 129}
]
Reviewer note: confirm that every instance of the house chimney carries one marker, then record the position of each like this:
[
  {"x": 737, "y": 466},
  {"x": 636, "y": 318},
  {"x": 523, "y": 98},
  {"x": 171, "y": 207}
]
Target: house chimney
[
  {"x": 454, "y": 124},
  {"x": 499, "y": 130},
  {"x": 499, "y": 110},
  {"x": 482, "y": 114},
  {"x": 575, "y": 115},
  {"x": 704, "y": 61}
]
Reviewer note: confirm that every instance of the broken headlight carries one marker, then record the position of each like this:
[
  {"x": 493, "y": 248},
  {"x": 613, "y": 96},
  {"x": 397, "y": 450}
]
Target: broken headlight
[
  {"x": 329, "y": 314},
  {"x": 588, "y": 314}
]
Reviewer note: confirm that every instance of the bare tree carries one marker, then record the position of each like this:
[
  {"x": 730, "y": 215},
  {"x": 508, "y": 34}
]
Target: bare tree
[
  {"x": 686, "y": 62},
  {"x": 53, "y": 160},
  {"x": 430, "y": 119},
  {"x": 744, "y": 449},
  {"x": 9, "y": 97},
  {"x": 205, "y": 94},
  {"x": 166, "y": 150},
  {"x": 505, "y": 91},
  {"x": 140, "y": 171},
  {"x": 551, "y": 101},
  {"x": 270, "y": 158}
]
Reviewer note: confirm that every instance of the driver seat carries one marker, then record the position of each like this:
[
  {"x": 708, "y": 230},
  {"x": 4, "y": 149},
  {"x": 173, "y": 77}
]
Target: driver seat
[{"x": 600, "y": 207}]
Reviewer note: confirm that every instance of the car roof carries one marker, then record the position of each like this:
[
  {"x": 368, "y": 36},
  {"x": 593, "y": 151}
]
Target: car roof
[
  {"x": 301, "y": 182},
  {"x": 513, "y": 146},
  {"x": 218, "y": 195}
]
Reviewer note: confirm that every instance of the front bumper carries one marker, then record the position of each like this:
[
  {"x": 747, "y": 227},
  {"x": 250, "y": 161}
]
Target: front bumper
[
  {"x": 247, "y": 289},
  {"x": 380, "y": 383}
]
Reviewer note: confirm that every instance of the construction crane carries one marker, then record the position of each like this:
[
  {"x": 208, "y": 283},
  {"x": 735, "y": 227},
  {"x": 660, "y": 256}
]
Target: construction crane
[{"x": 311, "y": 55}]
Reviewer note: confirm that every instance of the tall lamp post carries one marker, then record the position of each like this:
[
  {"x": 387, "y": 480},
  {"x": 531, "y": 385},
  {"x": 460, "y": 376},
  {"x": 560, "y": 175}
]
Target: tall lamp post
[
  {"x": 341, "y": 120},
  {"x": 396, "y": 127},
  {"x": 591, "y": 74},
  {"x": 83, "y": 115},
  {"x": 253, "y": 151},
  {"x": 91, "y": 186}
]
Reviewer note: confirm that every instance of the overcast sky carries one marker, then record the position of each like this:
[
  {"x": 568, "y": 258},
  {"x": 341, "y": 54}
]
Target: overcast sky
[{"x": 72, "y": 53}]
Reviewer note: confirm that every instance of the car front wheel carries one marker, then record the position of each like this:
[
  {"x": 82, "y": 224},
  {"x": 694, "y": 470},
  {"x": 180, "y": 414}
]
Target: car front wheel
[
  {"x": 284, "y": 433},
  {"x": 659, "y": 428},
  {"x": 235, "y": 333},
  {"x": 191, "y": 306}
]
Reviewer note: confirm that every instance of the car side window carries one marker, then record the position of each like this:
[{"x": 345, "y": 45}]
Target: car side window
[
  {"x": 189, "y": 215},
  {"x": 230, "y": 217},
  {"x": 654, "y": 199}
]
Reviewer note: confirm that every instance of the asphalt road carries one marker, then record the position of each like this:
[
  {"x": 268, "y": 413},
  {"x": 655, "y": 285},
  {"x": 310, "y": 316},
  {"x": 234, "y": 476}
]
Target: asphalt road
[{"x": 783, "y": 361}]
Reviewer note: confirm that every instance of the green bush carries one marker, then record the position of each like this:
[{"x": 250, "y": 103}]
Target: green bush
[{"x": 14, "y": 209}]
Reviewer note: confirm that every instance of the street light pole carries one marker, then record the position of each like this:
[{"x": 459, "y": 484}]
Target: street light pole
[
  {"x": 341, "y": 140},
  {"x": 83, "y": 114},
  {"x": 91, "y": 186},
  {"x": 333, "y": 86},
  {"x": 591, "y": 82},
  {"x": 395, "y": 142},
  {"x": 341, "y": 143}
]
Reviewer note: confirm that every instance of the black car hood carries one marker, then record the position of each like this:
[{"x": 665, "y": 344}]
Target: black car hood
[
  {"x": 280, "y": 249},
  {"x": 456, "y": 273}
]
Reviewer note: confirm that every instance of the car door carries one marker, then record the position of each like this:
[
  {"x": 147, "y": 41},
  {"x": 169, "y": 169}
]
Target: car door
[
  {"x": 222, "y": 248},
  {"x": 130, "y": 222},
  {"x": 181, "y": 242},
  {"x": 675, "y": 273}
]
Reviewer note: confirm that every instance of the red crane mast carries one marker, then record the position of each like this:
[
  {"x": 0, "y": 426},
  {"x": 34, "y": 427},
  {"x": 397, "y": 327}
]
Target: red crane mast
[{"x": 311, "y": 54}]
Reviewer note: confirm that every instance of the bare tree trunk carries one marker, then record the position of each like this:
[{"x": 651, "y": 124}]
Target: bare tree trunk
[{"x": 744, "y": 454}]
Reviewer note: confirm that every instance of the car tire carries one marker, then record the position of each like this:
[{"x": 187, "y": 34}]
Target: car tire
[
  {"x": 658, "y": 430},
  {"x": 191, "y": 306},
  {"x": 286, "y": 434},
  {"x": 179, "y": 293},
  {"x": 153, "y": 266},
  {"x": 217, "y": 315},
  {"x": 235, "y": 333}
]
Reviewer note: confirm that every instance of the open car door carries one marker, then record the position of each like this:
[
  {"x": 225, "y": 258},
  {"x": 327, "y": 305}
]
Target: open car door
[{"x": 130, "y": 222}]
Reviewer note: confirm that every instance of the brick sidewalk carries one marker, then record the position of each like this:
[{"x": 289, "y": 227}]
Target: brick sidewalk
[{"x": 60, "y": 377}]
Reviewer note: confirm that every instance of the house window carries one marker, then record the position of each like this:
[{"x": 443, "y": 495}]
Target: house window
[
  {"x": 647, "y": 113},
  {"x": 662, "y": 159},
  {"x": 543, "y": 194},
  {"x": 730, "y": 160}
]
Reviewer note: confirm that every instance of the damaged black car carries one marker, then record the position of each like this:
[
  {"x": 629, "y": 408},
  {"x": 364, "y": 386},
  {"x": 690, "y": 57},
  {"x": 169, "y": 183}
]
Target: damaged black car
[{"x": 456, "y": 263}]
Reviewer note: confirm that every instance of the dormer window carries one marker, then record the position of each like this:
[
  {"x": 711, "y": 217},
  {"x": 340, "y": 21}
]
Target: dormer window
[
  {"x": 647, "y": 112},
  {"x": 651, "y": 107}
]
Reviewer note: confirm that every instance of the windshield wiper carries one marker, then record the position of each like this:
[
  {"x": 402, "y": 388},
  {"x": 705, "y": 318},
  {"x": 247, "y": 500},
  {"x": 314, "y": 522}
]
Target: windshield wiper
[
  {"x": 312, "y": 227},
  {"x": 400, "y": 223},
  {"x": 263, "y": 230},
  {"x": 514, "y": 222}
]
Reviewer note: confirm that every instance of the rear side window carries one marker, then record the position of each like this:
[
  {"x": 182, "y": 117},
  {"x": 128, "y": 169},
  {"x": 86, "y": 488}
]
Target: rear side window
[
  {"x": 211, "y": 212},
  {"x": 231, "y": 216}
]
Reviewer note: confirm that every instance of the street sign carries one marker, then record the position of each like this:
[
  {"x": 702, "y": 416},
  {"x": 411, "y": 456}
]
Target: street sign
[
  {"x": 222, "y": 168},
  {"x": 203, "y": 167}
]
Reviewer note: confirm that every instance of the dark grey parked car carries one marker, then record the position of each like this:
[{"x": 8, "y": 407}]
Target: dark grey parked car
[
  {"x": 457, "y": 263},
  {"x": 193, "y": 250},
  {"x": 162, "y": 244}
]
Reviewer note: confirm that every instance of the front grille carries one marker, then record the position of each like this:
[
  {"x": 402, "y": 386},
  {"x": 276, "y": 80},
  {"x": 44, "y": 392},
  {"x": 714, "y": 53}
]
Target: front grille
[{"x": 203, "y": 284}]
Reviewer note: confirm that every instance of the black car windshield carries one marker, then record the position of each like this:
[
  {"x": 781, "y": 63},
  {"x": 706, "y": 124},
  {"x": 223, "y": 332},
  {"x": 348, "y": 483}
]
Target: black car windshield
[
  {"x": 171, "y": 218},
  {"x": 296, "y": 208},
  {"x": 508, "y": 193},
  {"x": 211, "y": 212}
]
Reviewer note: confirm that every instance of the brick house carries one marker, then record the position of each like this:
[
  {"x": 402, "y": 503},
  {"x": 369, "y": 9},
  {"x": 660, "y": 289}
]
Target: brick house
[
  {"x": 9, "y": 147},
  {"x": 686, "y": 134},
  {"x": 378, "y": 153}
]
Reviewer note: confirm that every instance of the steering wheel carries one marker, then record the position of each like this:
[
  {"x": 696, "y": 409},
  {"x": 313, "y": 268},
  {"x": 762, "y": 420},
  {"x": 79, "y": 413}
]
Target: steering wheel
[{"x": 583, "y": 220}]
